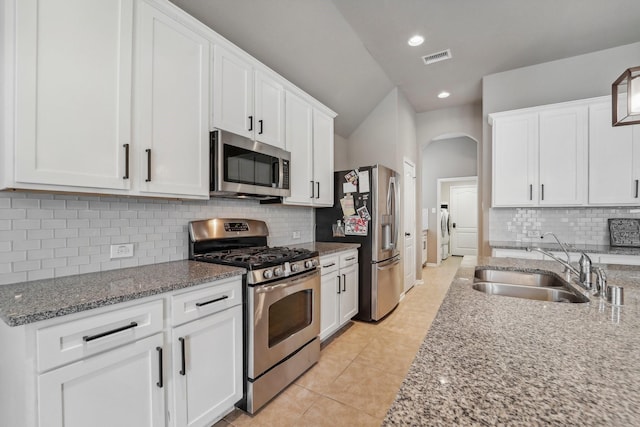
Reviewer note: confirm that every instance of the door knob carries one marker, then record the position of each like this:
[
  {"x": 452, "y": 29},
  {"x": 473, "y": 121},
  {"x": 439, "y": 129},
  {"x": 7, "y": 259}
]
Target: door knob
[
  {"x": 407, "y": 234},
  {"x": 454, "y": 225}
]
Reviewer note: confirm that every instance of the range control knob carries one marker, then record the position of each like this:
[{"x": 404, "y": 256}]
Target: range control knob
[
  {"x": 310, "y": 263},
  {"x": 268, "y": 274},
  {"x": 277, "y": 271},
  {"x": 295, "y": 268}
]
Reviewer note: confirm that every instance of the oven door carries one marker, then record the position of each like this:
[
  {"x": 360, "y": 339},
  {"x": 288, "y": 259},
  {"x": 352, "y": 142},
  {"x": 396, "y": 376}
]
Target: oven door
[{"x": 283, "y": 316}]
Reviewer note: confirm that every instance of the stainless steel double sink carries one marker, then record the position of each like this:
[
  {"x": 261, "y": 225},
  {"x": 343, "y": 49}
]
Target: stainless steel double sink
[{"x": 541, "y": 286}]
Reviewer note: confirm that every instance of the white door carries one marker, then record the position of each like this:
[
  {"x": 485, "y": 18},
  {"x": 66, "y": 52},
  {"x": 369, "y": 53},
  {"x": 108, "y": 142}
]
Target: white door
[
  {"x": 329, "y": 303},
  {"x": 120, "y": 387},
  {"x": 463, "y": 211},
  {"x": 614, "y": 159},
  {"x": 515, "y": 160},
  {"x": 232, "y": 93},
  {"x": 348, "y": 293},
  {"x": 172, "y": 115},
  {"x": 322, "y": 159},
  {"x": 563, "y": 156},
  {"x": 299, "y": 142},
  {"x": 211, "y": 354},
  {"x": 73, "y": 107},
  {"x": 409, "y": 224},
  {"x": 269, "y": 111}
]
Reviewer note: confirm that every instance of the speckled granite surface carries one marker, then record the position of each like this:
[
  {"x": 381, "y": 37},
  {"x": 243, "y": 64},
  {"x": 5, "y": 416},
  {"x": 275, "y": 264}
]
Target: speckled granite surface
[
  {"x": 327, "y": 248},
  {"x": 495, "y": 360},
  {"x": 550, "y": 244},
  {"x": 28, "y": 302}
]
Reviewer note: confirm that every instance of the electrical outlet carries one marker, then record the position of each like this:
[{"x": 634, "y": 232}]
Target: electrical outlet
[
  {"x": 122, "y": 251},
  {"x": 296, "y": 235},
  {"x": 533, "y": 233}
]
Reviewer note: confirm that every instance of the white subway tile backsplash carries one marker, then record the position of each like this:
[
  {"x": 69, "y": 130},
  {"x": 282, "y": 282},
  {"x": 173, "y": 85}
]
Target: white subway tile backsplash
[
  {"x": 575, "y": 225},
  {"x": 51, "y": 235}
]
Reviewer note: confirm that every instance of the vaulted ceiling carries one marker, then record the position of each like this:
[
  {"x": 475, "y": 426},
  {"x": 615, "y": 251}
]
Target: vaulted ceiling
[{"x": 350, "y": 53}]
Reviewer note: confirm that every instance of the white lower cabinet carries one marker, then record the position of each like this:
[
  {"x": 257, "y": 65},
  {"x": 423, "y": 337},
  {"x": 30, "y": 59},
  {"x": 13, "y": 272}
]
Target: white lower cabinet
[
  {"x": 120, "y": 387},
  {"x": 169, "y": 360},
  {"x": 207, "y": 367},
  {"x": 339, "y": 291}
]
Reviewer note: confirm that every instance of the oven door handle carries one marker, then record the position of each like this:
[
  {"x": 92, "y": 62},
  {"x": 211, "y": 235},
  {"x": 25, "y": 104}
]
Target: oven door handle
[{"x": 264, "y": 289}]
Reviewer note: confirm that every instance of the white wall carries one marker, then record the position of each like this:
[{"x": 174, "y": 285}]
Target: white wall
[
  {"x": 44, "y": 235},
  {"x": 578, "y": 77},
  {"x": 341, "y": 154}
]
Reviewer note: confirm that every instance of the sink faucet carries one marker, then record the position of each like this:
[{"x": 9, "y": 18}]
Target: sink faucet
[{"x": 584, "y": 271}]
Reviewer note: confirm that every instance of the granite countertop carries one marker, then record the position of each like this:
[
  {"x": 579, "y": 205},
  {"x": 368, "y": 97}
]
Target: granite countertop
[
  {"x": 494, "y": 360},
  {"x": 327, "y": 248},
  {"x": 551, "y": 245},
  {"x": 28, "y": 302}
]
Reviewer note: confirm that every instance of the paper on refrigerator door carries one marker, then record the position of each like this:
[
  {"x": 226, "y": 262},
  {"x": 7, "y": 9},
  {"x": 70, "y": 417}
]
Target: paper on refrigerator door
[
  {"x": 347, "y": 205},
  {"x": 348, "y": 187},
  {"x": 363, "y": 180}
]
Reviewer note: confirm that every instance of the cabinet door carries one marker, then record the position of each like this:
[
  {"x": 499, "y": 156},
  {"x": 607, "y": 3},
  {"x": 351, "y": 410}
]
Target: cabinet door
[
  {"x": 563, "y": 156},
  {"x": 323, "y": 158},
  {"x": 614, "y": 159},
  {"x": 207, "y": 367},
  {"x": 120, "y": 387},
  {"x": 299, "y": 142},
  {"x": 232, "y": 93},
  {"x": 329, "y": 304},
  {"x": 173, "y": 106},
  {"x": 73, "y": 105},
  {"x": 348, "y": 293},
  {"x": 515, "y": 165},
  {"x": 269, "y": 111}
]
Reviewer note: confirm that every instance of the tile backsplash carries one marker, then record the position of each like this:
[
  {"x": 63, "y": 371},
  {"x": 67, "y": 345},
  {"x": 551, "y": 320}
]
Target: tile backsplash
[
  {"x": 46, "y": 235},
  {"x": 571, "y": 225}
]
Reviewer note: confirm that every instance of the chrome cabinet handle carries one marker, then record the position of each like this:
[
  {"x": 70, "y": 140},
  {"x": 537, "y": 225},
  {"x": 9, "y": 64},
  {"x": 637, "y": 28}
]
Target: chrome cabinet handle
[
  {"x": 344, "y": 283},
  {"x": 329, "y": 265},
  {"x": 126, "y": 161},
  {"x": 351, "y": 258},
  {"x": 260, "y": 123},
  {"x": 160, "y": 380},
  {"x": 636, "y": 188},
  {"x": 200, "y": 304},
  {"x": 88, "y": 338},
  {"x": 148, "y": 150},
  {"x": 542, "y": 191},
  {"x": 530, "y": 191},
  {"x": 183, "y": 365},
  {"x": 312, "y": 193},
  {"x": 250, "y": 123},
  {"x": 339, "y": 292}
]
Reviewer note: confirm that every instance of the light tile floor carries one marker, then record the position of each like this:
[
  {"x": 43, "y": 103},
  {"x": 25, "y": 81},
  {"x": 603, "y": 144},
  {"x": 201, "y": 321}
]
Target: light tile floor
[{"x": 361, "y": 369}]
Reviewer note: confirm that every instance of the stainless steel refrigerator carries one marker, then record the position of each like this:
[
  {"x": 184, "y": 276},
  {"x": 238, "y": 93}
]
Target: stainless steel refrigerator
[{"x": 374, "y": 195}]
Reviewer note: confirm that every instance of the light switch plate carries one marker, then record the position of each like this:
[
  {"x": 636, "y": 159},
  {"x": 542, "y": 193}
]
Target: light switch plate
[
  {"x": 122, "y": 251},
  {"x": 296, "y": 235}
]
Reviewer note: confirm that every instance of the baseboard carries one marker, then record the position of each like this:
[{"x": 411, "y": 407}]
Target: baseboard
[{"x": 431, "y": 264}]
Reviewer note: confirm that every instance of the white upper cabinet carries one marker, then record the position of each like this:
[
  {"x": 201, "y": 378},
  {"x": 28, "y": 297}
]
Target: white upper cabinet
[
  {"x": 172, "y": 109},
  {"x": 269, "y": 111},
  {"x": 323, "y": 158},
  {"x": 246, "y": 101},
  {"x": 73, "y": 92},
  {"x": 540, "y": 156},
  {"x": 614, "y": 159},
  {"x": 563, "y": 156},
  {"x": 309, "y": 136},
  {"x": 232, "y": 93},
  {"x": 515, "y": 160}
]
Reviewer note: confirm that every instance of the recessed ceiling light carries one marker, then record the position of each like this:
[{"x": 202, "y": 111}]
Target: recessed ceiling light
[
  {"x": 443, "y": 94},
  {"x": 416, "y": 40}
]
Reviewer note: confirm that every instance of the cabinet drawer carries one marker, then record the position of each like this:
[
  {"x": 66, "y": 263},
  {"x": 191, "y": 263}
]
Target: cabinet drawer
[
  {"x": 329, "y": 264},
  {"x": 206, "y": 300},
  {"x": 77, "y": 339},
  {"x": 348, "y": 258}
]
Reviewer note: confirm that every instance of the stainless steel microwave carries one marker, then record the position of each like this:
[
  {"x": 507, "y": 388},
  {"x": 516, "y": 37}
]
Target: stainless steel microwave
[{"x": 241, "y": 167}]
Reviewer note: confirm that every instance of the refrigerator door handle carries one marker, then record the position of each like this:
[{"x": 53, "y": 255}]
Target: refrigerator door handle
[
  {"x": 392, "y": 204},
  {"x": 388, "y": 266}
]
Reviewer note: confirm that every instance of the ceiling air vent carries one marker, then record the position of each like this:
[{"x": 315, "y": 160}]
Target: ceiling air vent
[{"x": 437, "y": 57}]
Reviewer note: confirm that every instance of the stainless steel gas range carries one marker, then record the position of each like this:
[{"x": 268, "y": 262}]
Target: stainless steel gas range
[{"x": 281, "y": 302}]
